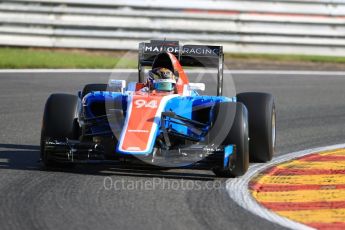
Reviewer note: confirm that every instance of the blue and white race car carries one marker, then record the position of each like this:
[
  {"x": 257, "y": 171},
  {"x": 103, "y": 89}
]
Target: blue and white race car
[{"x": 161, "y": 120}]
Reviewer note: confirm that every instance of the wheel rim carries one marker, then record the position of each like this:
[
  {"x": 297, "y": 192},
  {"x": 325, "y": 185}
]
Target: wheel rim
[{"x": 274, "y": 128}]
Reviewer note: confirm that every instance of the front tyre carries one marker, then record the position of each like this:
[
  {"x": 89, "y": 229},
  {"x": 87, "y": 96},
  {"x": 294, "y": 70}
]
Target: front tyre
[
  {"x": 262, "y": 125},
  {"x": 238, "y": 136},
  {"x": 59, "y": 122}
]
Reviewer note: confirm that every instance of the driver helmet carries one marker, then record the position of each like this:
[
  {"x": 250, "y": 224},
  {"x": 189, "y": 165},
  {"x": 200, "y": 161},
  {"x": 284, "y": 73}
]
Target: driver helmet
[{"x": 162, "y": 79}]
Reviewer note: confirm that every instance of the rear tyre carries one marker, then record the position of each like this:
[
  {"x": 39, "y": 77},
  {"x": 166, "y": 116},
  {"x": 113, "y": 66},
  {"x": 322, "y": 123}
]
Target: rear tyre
[
  {"x": 59, "y": 122},
  {"x": 236, "y": 116},
  {"x": 93, "y": 87},
  {"x": 262, "y": 125}
]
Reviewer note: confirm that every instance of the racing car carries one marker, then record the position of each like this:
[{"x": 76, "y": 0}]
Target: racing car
[{"x": 161, "y": 121}]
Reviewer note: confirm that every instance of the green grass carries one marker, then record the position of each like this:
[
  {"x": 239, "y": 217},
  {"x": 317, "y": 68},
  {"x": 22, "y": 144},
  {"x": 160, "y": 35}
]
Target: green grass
[{"x": 16, "y": 58}]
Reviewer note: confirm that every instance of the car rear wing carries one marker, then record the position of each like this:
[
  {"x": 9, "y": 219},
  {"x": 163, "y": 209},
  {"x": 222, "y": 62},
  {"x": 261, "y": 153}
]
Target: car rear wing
[{"x": 188, "y": 56}]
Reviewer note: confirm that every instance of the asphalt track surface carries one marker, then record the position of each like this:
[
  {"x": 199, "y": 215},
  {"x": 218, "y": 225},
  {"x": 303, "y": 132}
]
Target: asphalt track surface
[{"x": 311, "y": 113}]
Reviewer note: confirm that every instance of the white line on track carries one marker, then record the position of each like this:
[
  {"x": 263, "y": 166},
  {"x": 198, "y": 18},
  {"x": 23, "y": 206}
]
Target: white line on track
[
  {"x": 245, "y": 72},
  {"x": 238, "y": 188},
  {"x": 286, "y": 72}
]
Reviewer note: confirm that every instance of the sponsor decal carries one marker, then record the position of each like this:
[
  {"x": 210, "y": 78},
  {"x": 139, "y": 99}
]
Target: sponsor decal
[
  {"x": 188, "y": 50},
  {"x": 133, "y": 148},
  {"x": 137, "y": 131},
  {"x": 160, "y": 48},
  {"x": 200, "y": 51}
]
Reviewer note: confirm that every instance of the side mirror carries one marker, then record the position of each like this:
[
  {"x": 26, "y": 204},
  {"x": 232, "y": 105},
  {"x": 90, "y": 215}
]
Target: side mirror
[
  {"x": 197, "y": 86},
  {"x": 117, "y": 85}
]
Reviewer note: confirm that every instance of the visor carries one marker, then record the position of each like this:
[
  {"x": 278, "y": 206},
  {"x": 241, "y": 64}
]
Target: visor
[{"x": 164, "y": 85}]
